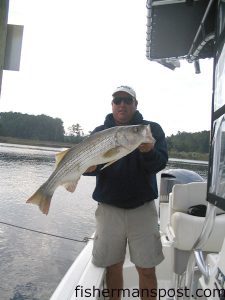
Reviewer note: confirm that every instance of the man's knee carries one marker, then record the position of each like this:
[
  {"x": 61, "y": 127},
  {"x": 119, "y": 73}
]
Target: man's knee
[{"x": 117, "y": 268}]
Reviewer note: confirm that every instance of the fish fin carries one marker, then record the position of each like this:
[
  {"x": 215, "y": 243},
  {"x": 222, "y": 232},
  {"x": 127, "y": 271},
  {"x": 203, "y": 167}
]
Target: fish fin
[
  {"x": 59, "y": 156},
  {"x": 42, "y": 200},
  {"x": 112, "y": 152},
  {"x": 71, "y": 186},
  {"x": 108, "y": 164}
]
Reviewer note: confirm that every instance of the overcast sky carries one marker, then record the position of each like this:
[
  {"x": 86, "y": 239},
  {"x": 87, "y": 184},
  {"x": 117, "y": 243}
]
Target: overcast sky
[{"x": 76, "y": 52}]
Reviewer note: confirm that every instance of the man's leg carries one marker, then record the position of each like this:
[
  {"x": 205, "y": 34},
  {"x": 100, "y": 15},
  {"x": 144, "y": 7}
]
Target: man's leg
[
  {"x": 145, "y": 247},
  {"x": 147, "y": 283},
  {"x": 114, "y": 280}
]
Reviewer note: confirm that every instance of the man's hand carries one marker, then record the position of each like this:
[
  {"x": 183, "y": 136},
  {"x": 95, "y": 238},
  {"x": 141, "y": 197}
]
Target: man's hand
[
  {"x": 91, "y": 169},
  {"x": 146, "y": 147}
]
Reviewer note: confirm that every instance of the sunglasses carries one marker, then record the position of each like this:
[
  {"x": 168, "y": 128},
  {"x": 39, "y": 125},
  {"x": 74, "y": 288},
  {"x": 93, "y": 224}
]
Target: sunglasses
[{"x": 126, "y": 100}]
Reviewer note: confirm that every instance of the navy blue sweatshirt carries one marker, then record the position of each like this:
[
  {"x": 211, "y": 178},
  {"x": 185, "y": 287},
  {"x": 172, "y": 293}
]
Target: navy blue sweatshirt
[{"x": 131, "y": 181}]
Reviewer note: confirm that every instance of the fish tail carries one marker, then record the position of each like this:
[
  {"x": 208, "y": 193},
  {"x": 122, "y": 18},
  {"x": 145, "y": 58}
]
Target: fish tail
[{"x": 41, "y": 199}]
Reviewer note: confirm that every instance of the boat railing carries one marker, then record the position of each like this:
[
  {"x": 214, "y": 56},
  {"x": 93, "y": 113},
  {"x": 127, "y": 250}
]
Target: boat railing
[
  {"x": 206, "y": 232},
  {"x": 196, "y": 256}
]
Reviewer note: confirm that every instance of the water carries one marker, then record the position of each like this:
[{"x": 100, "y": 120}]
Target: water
[{"x": 32, "y": 264}]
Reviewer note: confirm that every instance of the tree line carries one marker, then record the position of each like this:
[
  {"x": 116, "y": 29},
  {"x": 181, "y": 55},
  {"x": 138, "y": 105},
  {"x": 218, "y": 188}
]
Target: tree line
[
  {"x": 189, "y": 142},
  {"x": 26, "y": 126},
  {"x": 42, "y": 127}
]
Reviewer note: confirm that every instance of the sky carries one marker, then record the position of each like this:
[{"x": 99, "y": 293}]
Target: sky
[{"x": 74, "y": 55}]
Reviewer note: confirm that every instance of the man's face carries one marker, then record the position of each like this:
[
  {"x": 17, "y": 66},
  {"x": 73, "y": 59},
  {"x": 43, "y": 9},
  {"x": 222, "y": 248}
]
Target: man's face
[{"x": 124, "y": 110}]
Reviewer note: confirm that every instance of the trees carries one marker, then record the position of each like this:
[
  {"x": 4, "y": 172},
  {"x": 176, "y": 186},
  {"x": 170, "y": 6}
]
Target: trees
[
  {"x": 26, "y": 126},
  {"x": 189, "y": 142},
  {"x": 75, "y": 134},
  {"x": 76, "y": 130}
]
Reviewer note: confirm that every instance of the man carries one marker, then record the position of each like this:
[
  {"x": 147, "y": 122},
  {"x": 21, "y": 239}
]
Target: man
[{"x": 126, "y": 212}]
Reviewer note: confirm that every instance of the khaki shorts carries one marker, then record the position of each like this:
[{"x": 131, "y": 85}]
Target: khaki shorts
[{"x": 117, "y": 226}]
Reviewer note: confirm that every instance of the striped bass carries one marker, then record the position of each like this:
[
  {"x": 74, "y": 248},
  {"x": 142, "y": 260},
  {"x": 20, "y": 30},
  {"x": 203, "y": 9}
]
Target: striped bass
[{"x": 104, "y": 147}]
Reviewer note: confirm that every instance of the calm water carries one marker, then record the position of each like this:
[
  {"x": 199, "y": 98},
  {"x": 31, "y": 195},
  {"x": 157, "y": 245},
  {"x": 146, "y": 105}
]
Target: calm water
[{"x": 32, "y": 264}]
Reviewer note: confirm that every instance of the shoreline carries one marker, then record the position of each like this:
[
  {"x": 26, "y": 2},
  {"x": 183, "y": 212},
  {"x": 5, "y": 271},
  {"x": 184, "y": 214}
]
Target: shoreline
[{"x": 12, "y": 140}]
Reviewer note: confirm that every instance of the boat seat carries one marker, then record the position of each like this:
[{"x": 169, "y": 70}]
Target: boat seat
[{"x": 186, "y": 228}]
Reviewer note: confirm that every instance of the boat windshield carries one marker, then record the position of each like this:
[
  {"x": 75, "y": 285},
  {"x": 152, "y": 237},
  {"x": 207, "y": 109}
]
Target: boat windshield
[{"x": 216, "y": 180}]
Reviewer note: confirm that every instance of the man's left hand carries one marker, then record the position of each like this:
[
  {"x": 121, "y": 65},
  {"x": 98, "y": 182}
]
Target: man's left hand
[{"x": 146, "y": 147}]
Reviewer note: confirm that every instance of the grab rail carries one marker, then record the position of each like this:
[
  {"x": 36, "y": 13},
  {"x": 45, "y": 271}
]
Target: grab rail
[
  {"x": 196, "y": 256},
  {"x": 203, "y": 267}
]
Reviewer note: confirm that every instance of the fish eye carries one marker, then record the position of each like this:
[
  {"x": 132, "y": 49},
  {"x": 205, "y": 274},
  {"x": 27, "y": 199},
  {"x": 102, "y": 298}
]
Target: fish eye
[{"x": 135, "y": 129}]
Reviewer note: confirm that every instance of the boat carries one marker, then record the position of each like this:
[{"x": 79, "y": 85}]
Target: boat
[{"x": 191, "y": 210}]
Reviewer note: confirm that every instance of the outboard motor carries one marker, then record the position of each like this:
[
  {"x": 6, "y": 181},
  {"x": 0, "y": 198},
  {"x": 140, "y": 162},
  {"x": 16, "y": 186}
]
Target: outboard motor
[{"x": 175, "y": 176}]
